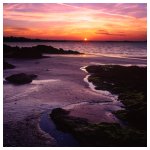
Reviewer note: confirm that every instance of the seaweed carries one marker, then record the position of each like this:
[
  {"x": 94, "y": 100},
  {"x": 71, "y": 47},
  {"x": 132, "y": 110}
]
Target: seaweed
[
  {"x": 130, "y": 83},
  {"x": 102, "y": 134}
]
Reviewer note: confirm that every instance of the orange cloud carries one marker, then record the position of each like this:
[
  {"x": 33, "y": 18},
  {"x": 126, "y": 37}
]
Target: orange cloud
[{"x": 76, "y": 21}]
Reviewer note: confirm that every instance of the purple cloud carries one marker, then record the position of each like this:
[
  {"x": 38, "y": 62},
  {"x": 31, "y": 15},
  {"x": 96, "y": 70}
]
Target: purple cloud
[
  {"x": 105, "y": 32},
  {"x": 137, "y": 10}
]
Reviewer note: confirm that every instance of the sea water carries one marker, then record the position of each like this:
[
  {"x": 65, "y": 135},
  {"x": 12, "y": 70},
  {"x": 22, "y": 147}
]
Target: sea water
[{"x": 136, "y": 50}]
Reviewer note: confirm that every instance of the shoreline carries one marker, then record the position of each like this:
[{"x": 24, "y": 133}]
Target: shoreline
[{"x": 32, "y": 98}]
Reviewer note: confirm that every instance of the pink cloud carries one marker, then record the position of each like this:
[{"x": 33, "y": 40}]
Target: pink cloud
[
  {"x": 74, "y": 20},
  {"x": 105, "y": 32}
]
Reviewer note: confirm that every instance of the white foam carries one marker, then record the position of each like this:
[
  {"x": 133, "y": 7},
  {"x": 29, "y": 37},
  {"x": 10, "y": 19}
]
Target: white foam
[
  {"x": 126, "y": 65},
  {"x": 84, "y": 69},
  {"x": 102, "y": 92}
]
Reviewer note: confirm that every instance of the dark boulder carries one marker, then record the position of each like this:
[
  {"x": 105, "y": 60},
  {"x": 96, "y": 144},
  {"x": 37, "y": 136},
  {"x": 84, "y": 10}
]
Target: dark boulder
[
  {"x": 97, "y": 135},
  {"x": 21, "y": 78},
  {"x": 59, "y": 111},
  {"x": 21, "y": 52}
]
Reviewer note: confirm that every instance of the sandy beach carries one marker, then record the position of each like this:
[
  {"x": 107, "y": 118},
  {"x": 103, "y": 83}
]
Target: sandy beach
[{"x": 59, "y": 84}]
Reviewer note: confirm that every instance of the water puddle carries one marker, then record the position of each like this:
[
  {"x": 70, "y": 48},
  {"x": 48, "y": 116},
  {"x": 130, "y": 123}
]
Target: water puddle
[
  {"x": 106, "y": 107},
  {"x": 63, "y": 139},
  {"x": 113, "y": 97},
  {"x": 101, "y": 92}
]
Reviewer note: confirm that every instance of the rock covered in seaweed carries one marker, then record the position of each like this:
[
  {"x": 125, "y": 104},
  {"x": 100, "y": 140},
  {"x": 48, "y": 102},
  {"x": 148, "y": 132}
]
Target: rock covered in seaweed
[
  {"x": 34, "y": 52},
  {"x": 130, "y": 84},
  {"x": 101, "y": 134},
  {"x": 21, "y": 78}
]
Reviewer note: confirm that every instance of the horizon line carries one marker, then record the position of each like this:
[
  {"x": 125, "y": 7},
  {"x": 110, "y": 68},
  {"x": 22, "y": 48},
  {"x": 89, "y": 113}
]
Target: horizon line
[{"x": 61, "y": 40}]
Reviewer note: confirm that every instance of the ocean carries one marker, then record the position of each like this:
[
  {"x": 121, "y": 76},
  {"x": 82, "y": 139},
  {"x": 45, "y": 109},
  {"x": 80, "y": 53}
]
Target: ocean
[{"x": 136, "y": 50}]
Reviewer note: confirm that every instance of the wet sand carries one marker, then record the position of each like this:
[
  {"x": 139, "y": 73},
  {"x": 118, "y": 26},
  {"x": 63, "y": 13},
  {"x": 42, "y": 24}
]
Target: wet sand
[{"x": 59, "y": 84}]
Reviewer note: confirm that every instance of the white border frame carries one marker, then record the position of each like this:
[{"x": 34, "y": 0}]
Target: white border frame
[{"x": 76, "y": 1}]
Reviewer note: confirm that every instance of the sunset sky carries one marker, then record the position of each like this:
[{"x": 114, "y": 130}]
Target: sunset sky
[{"x": 76, "y": 21}]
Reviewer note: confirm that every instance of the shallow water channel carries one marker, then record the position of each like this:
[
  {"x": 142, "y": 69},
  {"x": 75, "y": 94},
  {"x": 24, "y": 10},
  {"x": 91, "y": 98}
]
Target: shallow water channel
[
  {"x": 102, "y": 111},
  {"x": 63, "y": 139}
]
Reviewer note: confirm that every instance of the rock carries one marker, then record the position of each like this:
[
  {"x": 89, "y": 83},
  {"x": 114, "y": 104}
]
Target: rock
[
  {"x": 21, "y": 78},
  {"x": 59, "y": 111},
  {"x": 130, "y": 84},
  {"x": 34, "y": 52},
  {"x": 6, "y": 65},
  {"x": 100, "y": 134},
  {"x": 66, "y": 122}
]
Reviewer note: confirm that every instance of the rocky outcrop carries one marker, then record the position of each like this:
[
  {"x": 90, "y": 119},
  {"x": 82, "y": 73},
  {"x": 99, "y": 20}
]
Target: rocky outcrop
[
  {"x": 21, "y": 78},
  {"x": 34, "y": 52}
]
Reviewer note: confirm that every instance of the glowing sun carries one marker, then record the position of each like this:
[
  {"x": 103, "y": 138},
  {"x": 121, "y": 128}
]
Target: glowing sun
[{"x": 85, "y": 39}]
